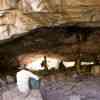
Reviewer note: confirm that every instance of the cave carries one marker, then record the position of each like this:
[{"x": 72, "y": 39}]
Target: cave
[{"x": 58, "y": 41}]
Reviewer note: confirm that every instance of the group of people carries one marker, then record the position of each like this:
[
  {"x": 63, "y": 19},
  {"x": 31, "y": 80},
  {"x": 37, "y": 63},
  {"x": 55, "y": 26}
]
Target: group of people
[{"x": 25, "y": 74}]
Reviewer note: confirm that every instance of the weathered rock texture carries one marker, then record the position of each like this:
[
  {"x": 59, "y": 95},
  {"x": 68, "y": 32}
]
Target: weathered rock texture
[
  {"x": 51, "y": 42},
  {"x": 19, "y": 16}
]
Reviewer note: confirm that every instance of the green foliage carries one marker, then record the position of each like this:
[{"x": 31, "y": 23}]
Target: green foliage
[
  {"x": 44, "y": 72},
  {"x": 41, "y": 73},
  {"x": 52, "y": 70}
]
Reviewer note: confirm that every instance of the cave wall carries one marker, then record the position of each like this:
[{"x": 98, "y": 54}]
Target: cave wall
[
  {"x": 19, "y": 16},
  {"x": 48, "y": 42}
]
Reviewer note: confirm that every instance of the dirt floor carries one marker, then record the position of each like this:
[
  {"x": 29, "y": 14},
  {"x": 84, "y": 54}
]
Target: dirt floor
[{"x": 80, "y": 88}]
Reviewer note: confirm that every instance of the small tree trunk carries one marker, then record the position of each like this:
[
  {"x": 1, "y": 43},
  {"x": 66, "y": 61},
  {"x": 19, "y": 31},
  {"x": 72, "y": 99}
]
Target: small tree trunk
[{"x": 77, "y": 64}]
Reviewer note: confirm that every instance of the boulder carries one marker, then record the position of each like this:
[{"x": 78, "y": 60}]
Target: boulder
[
  {"x": 95, "y": 70},
  {"x": 2, "y": 82},
  {"x": 10, "y": 79}
]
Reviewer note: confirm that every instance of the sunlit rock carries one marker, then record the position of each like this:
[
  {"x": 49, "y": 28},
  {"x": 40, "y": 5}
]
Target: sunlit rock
[
  {"x": 15, "y": 23},
  {"x": 3, "y": 32},
  {"x": 28, "y": 6},
  {"x": 32, "y": 13},
  {"x": 4, "y": 4}
]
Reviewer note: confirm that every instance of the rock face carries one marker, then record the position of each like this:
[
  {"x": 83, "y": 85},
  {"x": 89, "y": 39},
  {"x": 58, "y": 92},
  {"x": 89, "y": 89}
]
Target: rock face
[
  {"x": 19, "y": 16},
  {"x": 43, "y": 41},
  {"x": 14, "y": 23}
]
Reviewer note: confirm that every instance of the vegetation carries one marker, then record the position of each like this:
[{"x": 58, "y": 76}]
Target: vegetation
[
  {"x": 61, "y": 67},
  {"x": 44, "y": 72}
]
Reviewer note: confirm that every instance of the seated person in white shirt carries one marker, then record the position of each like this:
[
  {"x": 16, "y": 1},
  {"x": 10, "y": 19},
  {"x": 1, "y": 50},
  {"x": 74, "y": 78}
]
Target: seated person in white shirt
[{"x": 23, "y": 77}]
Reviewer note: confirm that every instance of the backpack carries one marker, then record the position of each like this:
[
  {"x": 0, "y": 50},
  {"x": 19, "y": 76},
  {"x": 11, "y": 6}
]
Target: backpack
[{"x": 33, "y": 83}]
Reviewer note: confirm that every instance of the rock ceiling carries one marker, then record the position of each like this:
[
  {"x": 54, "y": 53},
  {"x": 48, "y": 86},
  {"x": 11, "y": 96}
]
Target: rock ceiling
[{"x": 19, "y": 16}]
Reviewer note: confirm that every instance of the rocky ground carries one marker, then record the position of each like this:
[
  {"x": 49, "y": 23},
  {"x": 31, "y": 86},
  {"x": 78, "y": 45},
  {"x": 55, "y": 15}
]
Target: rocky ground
[
  {"x": 11, "y": 93},
  {"x": 84, "y": 88}
]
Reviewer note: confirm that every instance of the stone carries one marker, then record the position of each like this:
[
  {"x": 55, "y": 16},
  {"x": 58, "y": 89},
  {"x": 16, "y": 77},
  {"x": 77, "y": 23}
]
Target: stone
[
  {"x": 96, "y": 70},
  {"x": 75, "y": 97},
  {"x": 14, "y": 94},
  {"x": 10, "y": 79},
  {"x": 2, "y": 83}
]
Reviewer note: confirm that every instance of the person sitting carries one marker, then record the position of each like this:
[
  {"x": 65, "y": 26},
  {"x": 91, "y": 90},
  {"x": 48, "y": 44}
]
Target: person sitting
[{"x": 23, "y": 77}]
